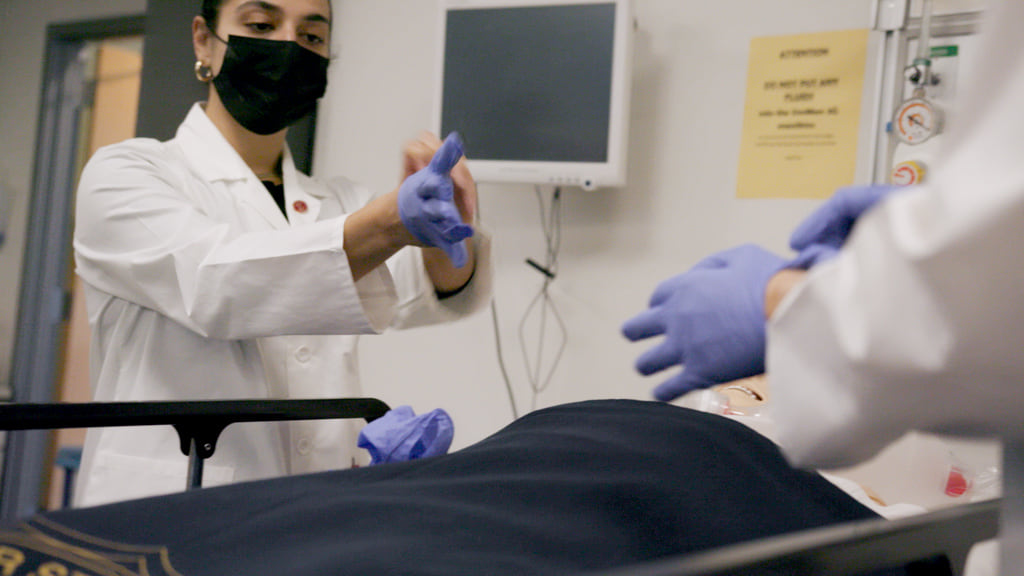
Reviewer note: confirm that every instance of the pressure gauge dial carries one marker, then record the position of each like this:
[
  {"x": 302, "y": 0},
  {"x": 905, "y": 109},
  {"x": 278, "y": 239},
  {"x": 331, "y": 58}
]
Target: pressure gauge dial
[
  {"x": 908, "y": 173},
  {"x": 917, "y": 120}
]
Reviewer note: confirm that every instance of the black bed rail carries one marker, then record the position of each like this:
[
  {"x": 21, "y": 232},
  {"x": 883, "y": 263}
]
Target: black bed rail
[
  {"x": 844, "y": 550},
  {"x": 198, "y": 423}
]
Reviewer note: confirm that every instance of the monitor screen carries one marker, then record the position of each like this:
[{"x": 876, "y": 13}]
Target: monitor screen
[
  {"x": 531, "y": 83},
  {"x": 535, "y": 82}
]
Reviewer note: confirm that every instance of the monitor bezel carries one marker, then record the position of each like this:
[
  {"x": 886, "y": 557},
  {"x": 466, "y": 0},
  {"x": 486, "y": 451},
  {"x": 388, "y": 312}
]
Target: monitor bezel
[{"x": 586, "y": 175}]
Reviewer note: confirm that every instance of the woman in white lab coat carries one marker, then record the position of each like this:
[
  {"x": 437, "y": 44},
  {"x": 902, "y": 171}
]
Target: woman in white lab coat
[
  {"x": 214, "y": 270},
  {"x": 918, "y": 321}
]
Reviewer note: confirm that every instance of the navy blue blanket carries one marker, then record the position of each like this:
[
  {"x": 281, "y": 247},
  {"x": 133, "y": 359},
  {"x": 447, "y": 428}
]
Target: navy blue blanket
[{"x": 574, "y": 488}]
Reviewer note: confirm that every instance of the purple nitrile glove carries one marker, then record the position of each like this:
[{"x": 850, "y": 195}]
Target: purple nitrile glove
[
  {"x": 401, "y": 435},
  {"x": 820, "y": 236},
  {"x": 713, "y": 321},
  {"x": 427, "y": 207}
]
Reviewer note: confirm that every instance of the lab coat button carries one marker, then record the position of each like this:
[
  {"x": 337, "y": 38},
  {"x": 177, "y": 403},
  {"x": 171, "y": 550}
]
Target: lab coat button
[
  {"x": 303, "y": 446},
  {"x": 300, "y": 206},
  {"x": 302, "y": 354}
]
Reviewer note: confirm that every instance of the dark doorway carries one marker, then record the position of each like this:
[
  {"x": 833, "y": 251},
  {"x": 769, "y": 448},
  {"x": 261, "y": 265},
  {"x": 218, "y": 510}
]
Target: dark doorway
[{"x": 44, "y": 305}]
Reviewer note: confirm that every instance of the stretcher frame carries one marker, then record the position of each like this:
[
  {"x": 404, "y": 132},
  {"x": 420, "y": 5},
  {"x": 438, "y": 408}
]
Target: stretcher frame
[
  {"x": 198, "y": 423},
  {"x": 846, "y": 549}
]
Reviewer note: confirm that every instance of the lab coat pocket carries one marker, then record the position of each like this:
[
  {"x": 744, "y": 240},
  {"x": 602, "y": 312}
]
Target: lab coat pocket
[{"x": 118, "y": 477}]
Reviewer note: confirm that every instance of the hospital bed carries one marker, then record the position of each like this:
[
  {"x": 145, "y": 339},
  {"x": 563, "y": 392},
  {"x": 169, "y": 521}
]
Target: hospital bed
[{"x": 634, "y": 485}]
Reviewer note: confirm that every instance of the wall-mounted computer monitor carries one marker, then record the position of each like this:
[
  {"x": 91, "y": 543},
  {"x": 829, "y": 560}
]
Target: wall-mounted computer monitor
[{"x": 538, "y": 89}]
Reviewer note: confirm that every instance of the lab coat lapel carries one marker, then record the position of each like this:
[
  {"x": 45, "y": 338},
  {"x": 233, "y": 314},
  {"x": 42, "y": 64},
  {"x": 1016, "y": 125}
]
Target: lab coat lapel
[
  {"x": 255, "y": 194},
  {"x": 216, "y": 161}
]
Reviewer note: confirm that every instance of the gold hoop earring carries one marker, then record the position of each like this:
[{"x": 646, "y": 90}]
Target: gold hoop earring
[{"x": 203, "y": 72}]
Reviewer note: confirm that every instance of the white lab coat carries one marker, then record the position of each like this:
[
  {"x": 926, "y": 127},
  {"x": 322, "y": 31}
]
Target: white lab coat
[
  {"x": 919, "y": 322},
  {"x": 198, "y": 288}
]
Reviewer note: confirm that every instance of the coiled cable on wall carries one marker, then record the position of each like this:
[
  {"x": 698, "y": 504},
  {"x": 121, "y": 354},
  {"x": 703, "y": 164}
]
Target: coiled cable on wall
[
  {"x": 542, "y": 303},
  {"x": 551, "y": 224}
]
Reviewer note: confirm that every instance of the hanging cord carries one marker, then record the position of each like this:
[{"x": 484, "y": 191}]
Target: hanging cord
[
  {"x": 498, "y": 348},
  {"x": 501, "y": 360},
  {"x": 551, "y": 223}
]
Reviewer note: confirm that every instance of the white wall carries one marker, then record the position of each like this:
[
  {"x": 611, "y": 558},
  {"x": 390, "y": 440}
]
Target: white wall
[
  {"x": 22, "y": 43},
  {"x": 679, "y": 205}
]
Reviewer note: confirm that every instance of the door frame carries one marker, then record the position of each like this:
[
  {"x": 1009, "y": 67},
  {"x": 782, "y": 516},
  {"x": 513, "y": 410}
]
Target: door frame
[{"x": 45, "y": 292}]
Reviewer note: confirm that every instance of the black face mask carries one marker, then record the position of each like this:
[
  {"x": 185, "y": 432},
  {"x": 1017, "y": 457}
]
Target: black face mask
[{"x": 266, "y": 85}]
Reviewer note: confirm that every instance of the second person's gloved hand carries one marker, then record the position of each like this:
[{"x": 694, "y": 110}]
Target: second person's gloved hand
[
  {"x": 427, "y": 208},
  {"x": 820, "y": 236},
  {"x": 713, "y": 321}
]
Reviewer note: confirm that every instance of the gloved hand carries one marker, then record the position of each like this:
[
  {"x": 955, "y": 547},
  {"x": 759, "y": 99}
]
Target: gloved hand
[
  {"x": 401, "y": 435},
  {"x": 820, "y": 236},
  {"x": 713, "y": 321},
  {"x": 427, "y": 208}
]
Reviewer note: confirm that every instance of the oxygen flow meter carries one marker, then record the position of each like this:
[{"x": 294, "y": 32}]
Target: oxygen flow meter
[{"x": 917, "y": 120}]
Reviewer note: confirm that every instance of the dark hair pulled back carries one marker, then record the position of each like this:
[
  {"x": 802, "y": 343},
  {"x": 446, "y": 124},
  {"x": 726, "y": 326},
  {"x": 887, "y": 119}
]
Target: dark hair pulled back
[{"x": 210, "y": 10}]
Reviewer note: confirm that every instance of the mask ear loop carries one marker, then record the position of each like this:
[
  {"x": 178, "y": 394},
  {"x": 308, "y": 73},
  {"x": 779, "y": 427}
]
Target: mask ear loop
[
  {"x": 219, "y": 39},
  {"x": 213, "y": 33}
]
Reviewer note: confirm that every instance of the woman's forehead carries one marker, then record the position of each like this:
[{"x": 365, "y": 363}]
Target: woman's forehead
[{"x": 306, "y": 9}]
